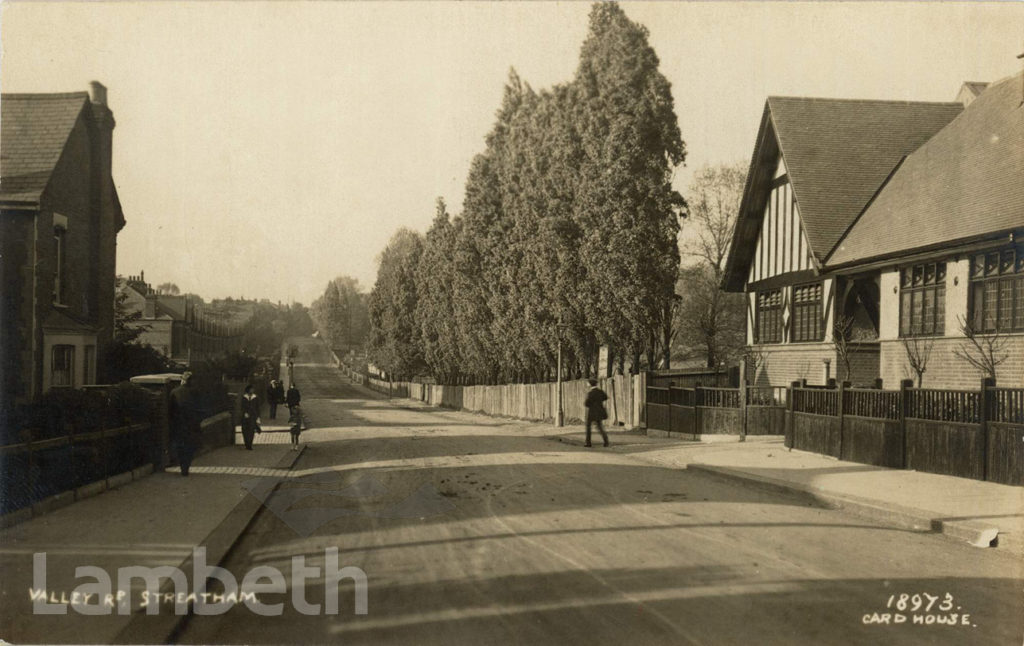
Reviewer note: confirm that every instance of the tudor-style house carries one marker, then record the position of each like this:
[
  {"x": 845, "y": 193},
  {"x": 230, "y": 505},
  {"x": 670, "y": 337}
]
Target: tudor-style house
[
  {"x": 59, "y": 219},
  {"x": 899, "y": 225}
]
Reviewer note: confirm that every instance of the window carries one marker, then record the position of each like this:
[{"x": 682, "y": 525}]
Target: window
[
  {"x": 60, "y": 235},
  {"x": 89, "y": 364},
  {"x": 807, "y": 325},
  {"x": 997, "y": 291},
  {"x": 62, "y": 367},
  {"x": 923, "y": 300},
  {"x": 769, "y": 316}
]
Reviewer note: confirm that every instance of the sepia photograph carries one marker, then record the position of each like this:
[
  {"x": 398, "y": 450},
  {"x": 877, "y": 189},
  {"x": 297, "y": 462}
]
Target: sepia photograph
[{"x": 529, "y": 322}]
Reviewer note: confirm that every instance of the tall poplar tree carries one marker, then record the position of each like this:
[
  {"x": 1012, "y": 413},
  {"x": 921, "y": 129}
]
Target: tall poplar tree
[{"x": 625, "y": 203}]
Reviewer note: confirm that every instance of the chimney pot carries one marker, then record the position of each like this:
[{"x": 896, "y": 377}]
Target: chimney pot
[{"x": 98, "y": 92}]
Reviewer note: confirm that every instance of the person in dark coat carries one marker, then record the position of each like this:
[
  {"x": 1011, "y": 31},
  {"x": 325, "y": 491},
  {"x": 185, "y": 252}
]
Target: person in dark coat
[
  {"x": 250, "y": 416},
  {"x": 293, "y": 397},
  {"x": 184, "y": 422},
  {"x": 275, "y": 396},
  {"x": 595, "y": 410}
]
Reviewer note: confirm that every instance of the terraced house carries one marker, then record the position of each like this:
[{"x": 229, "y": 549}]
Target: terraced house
[
  {"x": 59, "y": 219},
  {"x": 891, "y": 229}
]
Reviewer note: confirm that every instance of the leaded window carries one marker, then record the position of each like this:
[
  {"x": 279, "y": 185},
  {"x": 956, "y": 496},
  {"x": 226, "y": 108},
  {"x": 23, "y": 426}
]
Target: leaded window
[
  {"x": 769, "y": 316},
  {"x": 807, "y": 324},
  {"x": 997, "y": 291},
  {"x": 923, "y": 300}
]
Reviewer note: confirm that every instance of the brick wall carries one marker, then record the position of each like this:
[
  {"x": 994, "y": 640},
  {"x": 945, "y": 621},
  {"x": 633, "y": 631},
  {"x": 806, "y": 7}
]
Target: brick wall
[
  {"x": 784, "y": 364},
  {"x": 864, "y": 365},
  {"x": 945, "y": 370}
]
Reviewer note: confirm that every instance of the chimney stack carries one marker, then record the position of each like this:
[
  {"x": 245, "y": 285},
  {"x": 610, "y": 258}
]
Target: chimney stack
[{"x": 98, "y": 93}]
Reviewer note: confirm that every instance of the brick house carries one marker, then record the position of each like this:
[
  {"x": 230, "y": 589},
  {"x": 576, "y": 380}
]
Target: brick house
[
  {"x": 59, "y": 218},
  {"x": 901, "y": 221}
]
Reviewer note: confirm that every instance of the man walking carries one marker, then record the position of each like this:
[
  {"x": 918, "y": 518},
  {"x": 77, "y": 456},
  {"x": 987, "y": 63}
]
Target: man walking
[
  {"x": 275, "y": 395},
  {"x": 250, "y": 416},
  {"x": 293, "y": 398},
  {"x": 594, "y": 404},
  {"x": 184, "y": 422}
]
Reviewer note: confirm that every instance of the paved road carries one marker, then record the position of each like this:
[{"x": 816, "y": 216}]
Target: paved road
[{"x": 473, "y": 530}]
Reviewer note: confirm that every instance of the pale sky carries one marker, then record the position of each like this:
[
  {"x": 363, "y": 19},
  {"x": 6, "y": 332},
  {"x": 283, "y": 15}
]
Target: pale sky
[{"x": 262, "y": 149}]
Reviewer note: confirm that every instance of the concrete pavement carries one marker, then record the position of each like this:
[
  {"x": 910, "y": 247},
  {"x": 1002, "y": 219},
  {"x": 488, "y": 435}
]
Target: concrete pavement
[
  {"x": 984, "y": 514},
  {"x": 153, "y": 522}
]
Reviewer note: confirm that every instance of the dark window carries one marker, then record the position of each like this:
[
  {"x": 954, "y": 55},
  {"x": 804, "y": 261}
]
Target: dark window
[
  {"x": 807, "y": 325},
  {"x": 769, "y": 316},
  {"x": 923, "y": 300},
  {"x": 62, "y": 368},
  {"x": 59, "y": 281},
  {"x": 997, "y": 291}
]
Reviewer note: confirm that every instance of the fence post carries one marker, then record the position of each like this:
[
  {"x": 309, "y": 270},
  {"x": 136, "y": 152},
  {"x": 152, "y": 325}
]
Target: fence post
[
  {"x": 698, "y": 421},
  {"x": 905, "y": 386},
  {"x": 33, "y": 470},
  {"x": 743, "y": 401},
  {"x": 985, "y": 401},
  {"x": 789, "y": 414},
  {"x": 842, "y": 414}
]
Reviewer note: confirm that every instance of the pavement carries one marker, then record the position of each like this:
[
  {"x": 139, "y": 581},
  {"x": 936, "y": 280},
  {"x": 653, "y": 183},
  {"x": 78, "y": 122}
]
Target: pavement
[
  {"x": 152, "y": 522},
  {"x": 984, "y": 514}
]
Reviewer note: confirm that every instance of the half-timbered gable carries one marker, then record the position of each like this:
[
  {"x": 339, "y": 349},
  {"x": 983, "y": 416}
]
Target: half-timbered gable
[{"x": 865, "y": 223}]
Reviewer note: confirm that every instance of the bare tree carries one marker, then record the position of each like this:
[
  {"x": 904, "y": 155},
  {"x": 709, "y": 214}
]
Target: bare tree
[
  {"x": 756, "y": 359},
  {"x": 983, "y": 351},
  {"x": 919, "y": 351},
  {"x": 842, "y": 343},
  {"x": 710, "y": 321}
]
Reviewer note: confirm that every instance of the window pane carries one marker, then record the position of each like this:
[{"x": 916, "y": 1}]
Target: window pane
[
  {"x": 979, "y": 307},
  {"x": 928, "y": 312},
  {"x": 63, "y": 365},
  {"x": 916, "y": 314},
  {"x": 988, "y": 322},
  {"x": 1006, "y": 262},
  {"x": 929, "y": 274},
  {"x": 905, "y": 314},
  {"x": 918, "y": 275},
  {"x": 1005, "y": 317},
  {"x": 1018, "y": 318},
  {"x": 978, "y": 266},
  {"x": 940, "y": 272},
  {"x": 991, "y": 263},
  {"x": 940, "y": 310}
]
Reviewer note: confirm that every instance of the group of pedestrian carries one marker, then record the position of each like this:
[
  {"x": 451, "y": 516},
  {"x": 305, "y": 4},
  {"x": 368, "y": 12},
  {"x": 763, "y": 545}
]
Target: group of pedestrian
[
  {"x": 185, "y": 416},
  {"x": 275, "y": 396}
]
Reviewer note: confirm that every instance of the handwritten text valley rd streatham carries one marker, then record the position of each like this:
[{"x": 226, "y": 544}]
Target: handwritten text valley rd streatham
[{"x": 100, "y": 597}]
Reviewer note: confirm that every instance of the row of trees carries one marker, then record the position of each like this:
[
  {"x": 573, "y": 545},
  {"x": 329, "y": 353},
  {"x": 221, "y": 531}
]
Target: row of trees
[
  {"x": 340, "y": 314},
  {"x": 568, "y": 231}
]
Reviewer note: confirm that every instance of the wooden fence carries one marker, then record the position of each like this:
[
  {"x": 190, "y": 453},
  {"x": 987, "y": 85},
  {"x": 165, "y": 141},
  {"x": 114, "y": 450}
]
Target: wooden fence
[
  {"x": 697, "y": 411},
  {"x": 535, "y": 402},
  {"x": 965, "y": 433}
]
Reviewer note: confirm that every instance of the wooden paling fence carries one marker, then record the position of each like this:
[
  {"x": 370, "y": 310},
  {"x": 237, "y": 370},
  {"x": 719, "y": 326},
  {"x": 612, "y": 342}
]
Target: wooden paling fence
[
  {"x": 967, "y": 433},
  {"x": 535, "y": 402}
]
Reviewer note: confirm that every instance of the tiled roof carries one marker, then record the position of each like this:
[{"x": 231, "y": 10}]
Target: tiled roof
[
  {"x": 33, "y": 131},
  {"x": 839, "y": 152},
  {"x": 966, "y": 181}
]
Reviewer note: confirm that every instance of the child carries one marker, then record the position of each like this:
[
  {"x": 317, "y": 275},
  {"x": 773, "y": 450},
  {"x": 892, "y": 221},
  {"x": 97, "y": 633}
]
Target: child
[{"x": 295, "y": 420}]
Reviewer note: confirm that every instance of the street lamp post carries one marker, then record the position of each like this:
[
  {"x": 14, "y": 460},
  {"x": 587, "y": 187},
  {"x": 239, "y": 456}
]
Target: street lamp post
[{"x": 560, "y": 415}]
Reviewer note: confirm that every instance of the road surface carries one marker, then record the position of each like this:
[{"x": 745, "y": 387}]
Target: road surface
[{"x": 475, "y": 530}]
